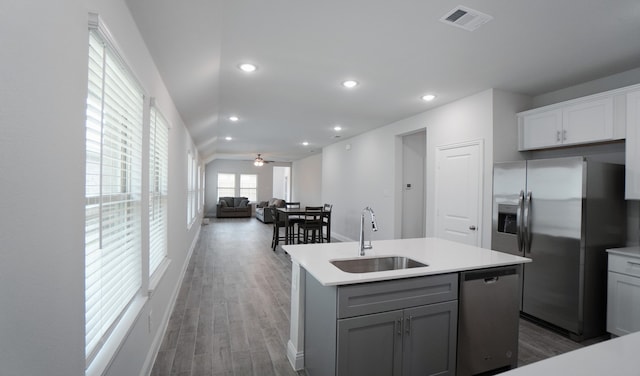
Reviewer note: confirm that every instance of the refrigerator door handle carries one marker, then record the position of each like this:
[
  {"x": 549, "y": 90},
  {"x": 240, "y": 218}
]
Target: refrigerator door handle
[
  {"x": 527, "y": 223},
  {"x": 520, "y": 222}
]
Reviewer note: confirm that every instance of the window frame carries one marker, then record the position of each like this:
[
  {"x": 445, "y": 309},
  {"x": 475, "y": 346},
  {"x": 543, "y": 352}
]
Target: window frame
[
  {"x": 103, "y": 337},
  {"x": 158, "y": 188}
]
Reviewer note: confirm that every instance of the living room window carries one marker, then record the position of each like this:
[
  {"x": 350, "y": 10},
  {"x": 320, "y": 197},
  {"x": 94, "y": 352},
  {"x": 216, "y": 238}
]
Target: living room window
[
  {"x": 226, "y": 185},
  {"x": 249, "y": 186},
  {"x": 113, "y": 189}
]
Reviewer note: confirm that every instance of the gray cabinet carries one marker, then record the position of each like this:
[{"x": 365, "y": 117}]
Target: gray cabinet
[
  {"x": 429, "y": 341},
  {"x": 370, "y": 345},
  {"x": 623, "y": 291},
  {"x": 398, "y": 327},
  {"x": 414, "y": 341}
]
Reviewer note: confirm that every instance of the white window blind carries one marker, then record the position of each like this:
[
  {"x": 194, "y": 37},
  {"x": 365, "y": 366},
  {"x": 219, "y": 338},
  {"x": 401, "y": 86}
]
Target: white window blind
[
  {"x": 112, "y": 192},
  {"x": 249, "y": 186},
  {"x": 158, "y": 188},
  {"x": 226, "y": 185},
  {"x": 190, "y": 189}
]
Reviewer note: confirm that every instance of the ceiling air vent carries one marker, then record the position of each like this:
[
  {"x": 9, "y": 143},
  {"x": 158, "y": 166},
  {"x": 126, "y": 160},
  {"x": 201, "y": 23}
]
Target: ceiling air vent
[{"x": 465, "y": 18}]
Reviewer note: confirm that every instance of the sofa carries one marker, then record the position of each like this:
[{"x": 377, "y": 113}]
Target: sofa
[
  {"x": 233, "y": 207},
  {"x": 265, "y": 210}
]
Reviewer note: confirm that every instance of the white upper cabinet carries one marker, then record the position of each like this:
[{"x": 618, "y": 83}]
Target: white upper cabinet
[
  {"x": 541, "y": 130},
  {"x": 569, "y": 123},
  {"x": 632, "y": 168},
  {"x": 591, "y": 121}
]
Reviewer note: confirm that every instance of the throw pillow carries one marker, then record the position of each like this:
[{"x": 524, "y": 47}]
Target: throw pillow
[{"x": 244, "y": 203}]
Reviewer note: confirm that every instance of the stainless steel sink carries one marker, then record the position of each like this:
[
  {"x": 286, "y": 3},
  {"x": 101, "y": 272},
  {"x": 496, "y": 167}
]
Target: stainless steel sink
[{"x": 376, "y": 264}]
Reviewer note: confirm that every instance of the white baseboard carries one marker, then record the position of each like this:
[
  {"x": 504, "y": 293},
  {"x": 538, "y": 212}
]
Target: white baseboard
[
  {"x": 164, "y": 324},
  {"x": 296, "y": 358}
]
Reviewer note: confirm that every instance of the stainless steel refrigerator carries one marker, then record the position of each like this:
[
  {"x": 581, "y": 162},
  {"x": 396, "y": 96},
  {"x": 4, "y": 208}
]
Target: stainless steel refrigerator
[{"x": 563, "y": 213}]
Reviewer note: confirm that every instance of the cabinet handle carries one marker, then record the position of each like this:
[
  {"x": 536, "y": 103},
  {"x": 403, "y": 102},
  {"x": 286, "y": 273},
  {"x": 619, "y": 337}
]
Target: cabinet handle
[
  {"x": 399, "y": 326},
  {"x": 408, "y": 325},
  {"x": 558, "y": 136},
  {"x": 564, "y": 135},
  {"x": 633, "y": 264}
]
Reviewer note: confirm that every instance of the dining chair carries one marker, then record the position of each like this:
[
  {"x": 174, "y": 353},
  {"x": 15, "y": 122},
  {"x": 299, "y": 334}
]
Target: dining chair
[
  {"x": 311, "y": 226},
  {"x": 293, "y": 219},
  {"x": 326, "y": 222},
  {"x": 278, "y": 224}
]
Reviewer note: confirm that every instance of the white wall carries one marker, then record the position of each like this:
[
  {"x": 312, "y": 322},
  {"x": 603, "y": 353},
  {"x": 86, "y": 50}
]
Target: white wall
[
  {"x": 365, "y": 170},
  {"x": 505, "y": 126},
  {"x": 306, "y": 181},
  {"x": 615, "y": 81},
  {"x": 265, "y": 178},
  {"x": 42, "y": 117}
]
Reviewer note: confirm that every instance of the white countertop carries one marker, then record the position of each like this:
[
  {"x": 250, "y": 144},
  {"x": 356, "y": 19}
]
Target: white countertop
[
  {"x": 618, "y": 356},
  {"x": 441, "y": 256},
  {"x": 626, "y": 251}
]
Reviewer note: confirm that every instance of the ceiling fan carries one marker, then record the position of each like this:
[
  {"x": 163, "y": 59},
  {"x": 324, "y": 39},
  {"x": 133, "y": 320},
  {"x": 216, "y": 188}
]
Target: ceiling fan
[{"x": 259, "y": 161}]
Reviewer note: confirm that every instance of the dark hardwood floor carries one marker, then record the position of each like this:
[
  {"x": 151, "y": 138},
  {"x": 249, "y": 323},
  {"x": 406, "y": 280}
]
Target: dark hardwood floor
[{"x": 232, "y": 313}]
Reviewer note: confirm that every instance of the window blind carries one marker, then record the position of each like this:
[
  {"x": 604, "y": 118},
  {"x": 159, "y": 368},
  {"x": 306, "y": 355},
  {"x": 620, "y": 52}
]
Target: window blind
[
  {"x": 226, "y": 185},
  {"x": 158, "y": 188},
  {"x": 249, "y": 186},
  {"x": 112, "y": 192}
]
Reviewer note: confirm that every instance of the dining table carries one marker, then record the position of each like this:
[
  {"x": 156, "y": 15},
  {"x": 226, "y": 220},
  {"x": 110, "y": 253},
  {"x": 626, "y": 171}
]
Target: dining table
[{"x": 288, "y": 213}]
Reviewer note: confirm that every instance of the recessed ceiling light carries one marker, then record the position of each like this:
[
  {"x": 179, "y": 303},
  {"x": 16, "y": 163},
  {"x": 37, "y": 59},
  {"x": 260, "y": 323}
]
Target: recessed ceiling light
[
  {"x": 428, "y": 97},
  {"x": 305, "y": 143},
  {"x": 350, "y": 84},
  {"x": 228, "y": 138},
  {"x": 337, "y": 128},
  {"x": 234, "y": 118},
  {"x": 246, "y": 67}
]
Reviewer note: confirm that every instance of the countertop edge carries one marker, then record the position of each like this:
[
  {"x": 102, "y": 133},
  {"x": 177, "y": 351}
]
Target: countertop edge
[{"x": 441, "y": 255}]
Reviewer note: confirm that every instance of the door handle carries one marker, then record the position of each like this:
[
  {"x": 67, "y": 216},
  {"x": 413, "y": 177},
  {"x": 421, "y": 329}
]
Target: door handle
[
  {"x": 527, "y": 225},
  {"x": 472, "y": 228},
  {"x": 520, "y": 222}
]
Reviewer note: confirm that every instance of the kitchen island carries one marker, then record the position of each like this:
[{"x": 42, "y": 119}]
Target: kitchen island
[{"x": 436, "y": 284}]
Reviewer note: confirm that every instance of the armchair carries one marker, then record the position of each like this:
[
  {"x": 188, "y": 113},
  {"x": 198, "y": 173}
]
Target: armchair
[{"x": 265, "y": 210}]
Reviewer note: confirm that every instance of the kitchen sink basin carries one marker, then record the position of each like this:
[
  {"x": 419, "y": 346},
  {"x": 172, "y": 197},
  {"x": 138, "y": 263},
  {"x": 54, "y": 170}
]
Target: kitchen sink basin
[{"x": 376, "y": 264}]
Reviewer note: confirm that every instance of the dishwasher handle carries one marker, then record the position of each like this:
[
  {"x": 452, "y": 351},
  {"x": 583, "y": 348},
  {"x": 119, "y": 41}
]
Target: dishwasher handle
[
  {"x": 489, "y": 280},
  {"x": 490, "y": 275}
]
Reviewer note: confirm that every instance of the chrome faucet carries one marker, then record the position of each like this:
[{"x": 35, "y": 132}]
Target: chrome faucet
[{"x": 374, "y": 227}]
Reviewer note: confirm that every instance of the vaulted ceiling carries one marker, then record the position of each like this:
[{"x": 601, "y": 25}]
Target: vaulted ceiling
[{"x": 396, "y": 50}]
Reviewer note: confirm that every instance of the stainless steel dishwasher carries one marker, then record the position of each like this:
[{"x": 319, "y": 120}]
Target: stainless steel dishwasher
[{"x": 489, "y": 309}]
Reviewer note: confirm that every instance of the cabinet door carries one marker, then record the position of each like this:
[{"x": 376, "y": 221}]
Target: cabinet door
[
  {"x": 632, "y": 168},
  {"x": 429, "y": 341},
  {"x": 590, "y": 121},
  {"x": 623, "y": 304},
  {"x": 543, "y": 129},
  {"x": 370, "y": 345}
]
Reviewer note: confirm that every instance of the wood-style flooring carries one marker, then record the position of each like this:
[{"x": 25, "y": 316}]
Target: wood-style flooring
[{"x": 232, "y": 313}]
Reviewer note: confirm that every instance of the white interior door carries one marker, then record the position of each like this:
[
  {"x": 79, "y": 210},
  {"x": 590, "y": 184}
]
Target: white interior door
[{"x": 458, "y": 192}]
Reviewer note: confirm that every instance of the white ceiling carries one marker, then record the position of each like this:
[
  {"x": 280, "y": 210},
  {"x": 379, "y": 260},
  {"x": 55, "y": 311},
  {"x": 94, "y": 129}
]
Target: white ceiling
[{"x": 397, "y": 50}]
